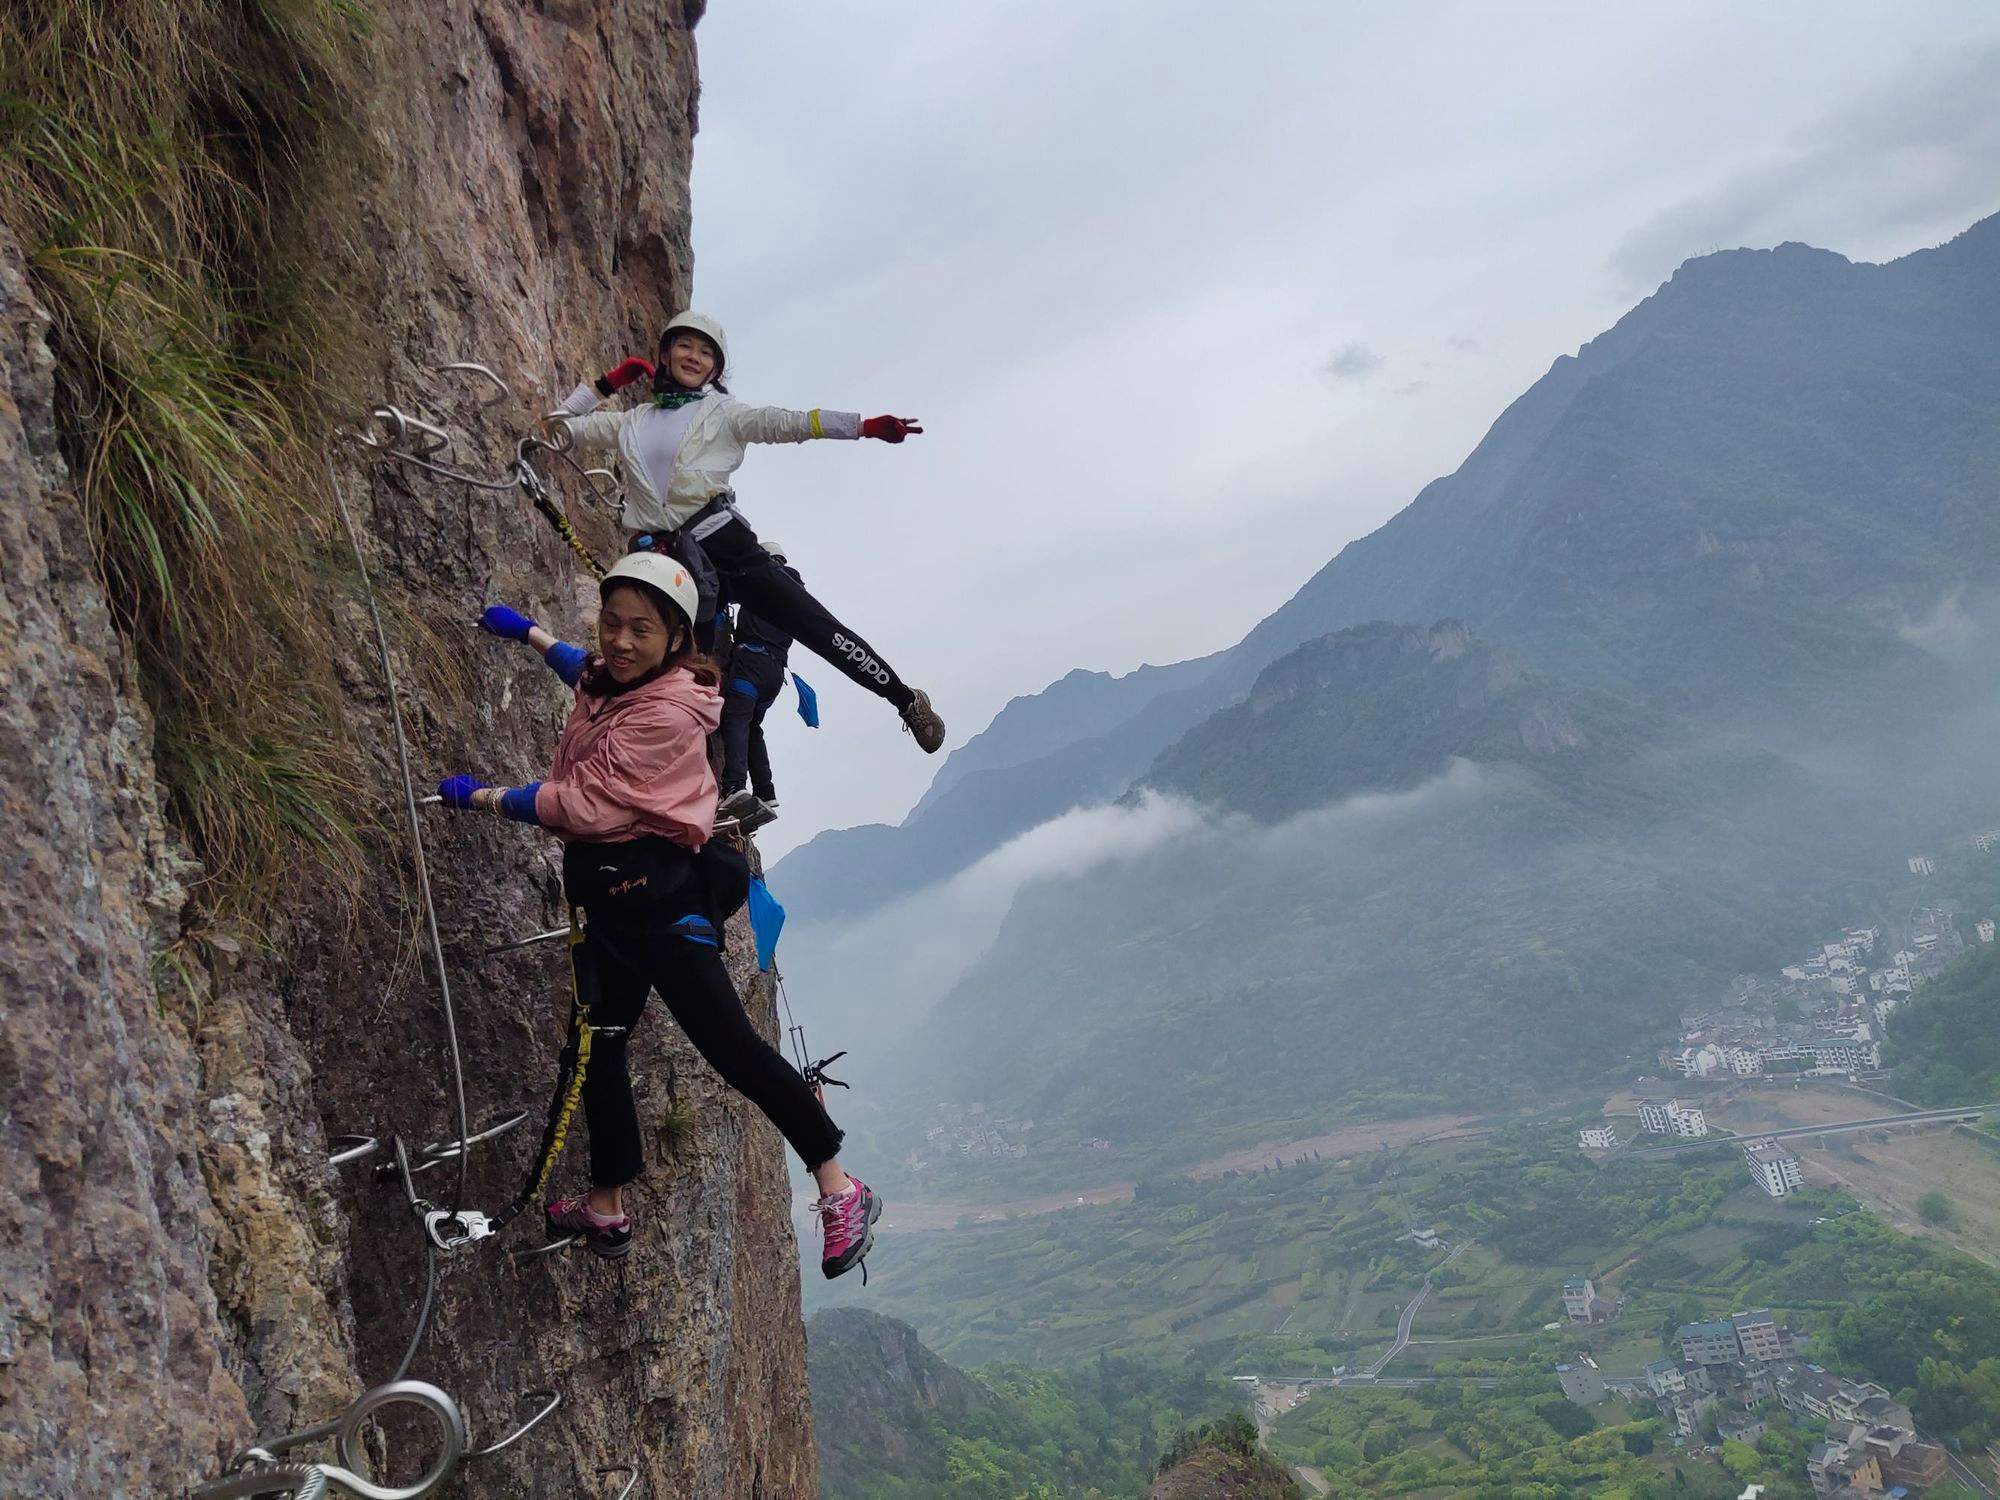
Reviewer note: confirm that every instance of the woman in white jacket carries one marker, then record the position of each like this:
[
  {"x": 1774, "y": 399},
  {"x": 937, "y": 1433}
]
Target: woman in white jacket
[{"x": 678, "y": 452}]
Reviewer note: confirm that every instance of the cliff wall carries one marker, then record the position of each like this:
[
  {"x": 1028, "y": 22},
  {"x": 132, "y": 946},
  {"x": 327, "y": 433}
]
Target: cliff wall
[{"x": 182, "y": 1272}]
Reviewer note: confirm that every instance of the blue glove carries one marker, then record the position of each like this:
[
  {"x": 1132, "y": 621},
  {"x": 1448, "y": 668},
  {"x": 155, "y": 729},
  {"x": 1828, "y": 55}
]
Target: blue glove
[
  {"x": 509, "y": 624},
  {"x": 457, "y": 790}
]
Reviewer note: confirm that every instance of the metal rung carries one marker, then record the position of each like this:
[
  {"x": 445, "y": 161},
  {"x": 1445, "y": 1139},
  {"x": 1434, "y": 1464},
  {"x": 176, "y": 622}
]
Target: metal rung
[
  {"x": 343, "y": 1149},
  {"x": 431, "y": 439},
  {"x": 528, "y": 942},
  {"x": 444, "y": 1151},
  {"x": 542, "y": 1252},
  {"x": 630, "y": 1484},
  {"x": 469, "y": 367},
  {"x": 553, "y": 1398}
]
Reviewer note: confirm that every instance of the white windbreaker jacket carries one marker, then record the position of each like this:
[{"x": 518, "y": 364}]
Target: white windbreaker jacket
[{"x": 709, "y": 452}]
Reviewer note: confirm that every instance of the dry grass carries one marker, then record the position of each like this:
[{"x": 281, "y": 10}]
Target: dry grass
[{"x": 149, "y": 152}]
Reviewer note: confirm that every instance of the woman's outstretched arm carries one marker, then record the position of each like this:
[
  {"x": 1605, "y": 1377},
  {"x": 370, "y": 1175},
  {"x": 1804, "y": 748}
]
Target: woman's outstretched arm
[{"x": 565, "y": 660}]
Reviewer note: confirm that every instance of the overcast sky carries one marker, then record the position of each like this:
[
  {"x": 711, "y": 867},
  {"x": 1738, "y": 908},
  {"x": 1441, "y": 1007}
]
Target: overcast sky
[{"x": 1188, "y": 296}]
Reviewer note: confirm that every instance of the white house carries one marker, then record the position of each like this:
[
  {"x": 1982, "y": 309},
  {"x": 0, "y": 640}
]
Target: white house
[
  {"x": 1600, "y": 1138},
  {"x": 1846, "y": 1056},
  {"x": 1773, "y": 1168},
  {"x": 1579, "y": 1298},
  {"x": 1922, "y": 865},
  {"x": 1685, "y": 1119},
  {"x": 1671, "y": 1118},
  {"x": 1985, "y": 930}
]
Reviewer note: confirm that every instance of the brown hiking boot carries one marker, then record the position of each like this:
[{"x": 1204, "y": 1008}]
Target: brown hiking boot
[{"x": 922, "y": 721}]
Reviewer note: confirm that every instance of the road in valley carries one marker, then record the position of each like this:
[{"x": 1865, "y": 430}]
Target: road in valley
[
  {"x": 1961, "y": 1115},
  {"x": 1409, "y": 1317}
]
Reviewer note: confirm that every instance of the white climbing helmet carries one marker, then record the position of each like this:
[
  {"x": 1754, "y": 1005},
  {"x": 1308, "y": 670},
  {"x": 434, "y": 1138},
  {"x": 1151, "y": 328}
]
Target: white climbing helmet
[
  {"x": 656, "y": 572},
  {"x": 707, "y": 327},
  {"x": 773, "y": 550}
]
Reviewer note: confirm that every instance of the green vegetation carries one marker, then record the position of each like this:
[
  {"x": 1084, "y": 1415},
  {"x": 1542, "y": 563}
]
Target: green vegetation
[
  {"x": 150, "y": 157},
  {"x": 1944, "y": 1043},
  {"x": 1520, "y": 1437},
  {"x": 1934, "y": 1208},
  {"x": 1096, "y": 1430},
  {"x": 1234, "y": 1433},
  {"x": 1301, "y": 1270}
]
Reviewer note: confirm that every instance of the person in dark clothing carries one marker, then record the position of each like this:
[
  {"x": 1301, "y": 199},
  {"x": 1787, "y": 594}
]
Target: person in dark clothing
[
  {"x": 755, "y": 677},
  {"x": 632, "y": 798}
]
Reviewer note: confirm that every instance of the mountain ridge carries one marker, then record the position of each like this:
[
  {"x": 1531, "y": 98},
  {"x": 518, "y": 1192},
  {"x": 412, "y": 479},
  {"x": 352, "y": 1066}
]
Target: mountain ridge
[{"x": 1528, "y": 542}]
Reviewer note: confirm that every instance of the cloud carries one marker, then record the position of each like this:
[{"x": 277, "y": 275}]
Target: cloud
[
  {"x": 1948, "y": 631},
  {"x": 1916, "y": 149},
  {"x": 884, "y": 972},
  {"x": 1353, "y": 361},
  {"x": 890, "y": 967}
]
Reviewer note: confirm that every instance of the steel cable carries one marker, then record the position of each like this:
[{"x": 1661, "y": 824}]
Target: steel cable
[{"x": 416, "y": 838}]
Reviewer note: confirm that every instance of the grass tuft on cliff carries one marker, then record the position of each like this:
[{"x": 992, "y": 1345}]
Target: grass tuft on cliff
[{"x": 148, "y": 151}]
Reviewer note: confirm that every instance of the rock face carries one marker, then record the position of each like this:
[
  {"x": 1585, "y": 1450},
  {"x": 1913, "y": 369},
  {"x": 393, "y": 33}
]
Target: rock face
[{"x": 171, "y": 1238}]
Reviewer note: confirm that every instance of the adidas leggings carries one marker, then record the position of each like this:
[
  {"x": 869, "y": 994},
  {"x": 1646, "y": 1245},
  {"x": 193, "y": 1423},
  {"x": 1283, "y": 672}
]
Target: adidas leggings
[
  {"x": 749, "y": 576},
  {"x": 617, "y": 969}
]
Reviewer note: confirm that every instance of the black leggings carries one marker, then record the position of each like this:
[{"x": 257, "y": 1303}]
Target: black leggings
[
  {"x": 750, "y": 577},
  {"x": 682, "y": 962},
  {"x": 641, "y": 919},
  {"x": 755, "y": 680}
]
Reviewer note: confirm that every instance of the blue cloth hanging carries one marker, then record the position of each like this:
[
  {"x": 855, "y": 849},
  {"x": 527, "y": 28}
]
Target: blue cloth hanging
[
  {"x": 767, "y": 920},
  {"x": 808, "y": 701}
]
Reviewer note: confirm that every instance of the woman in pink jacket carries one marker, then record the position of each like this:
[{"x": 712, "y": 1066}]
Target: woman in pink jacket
[{"x": 632, "y": 797}]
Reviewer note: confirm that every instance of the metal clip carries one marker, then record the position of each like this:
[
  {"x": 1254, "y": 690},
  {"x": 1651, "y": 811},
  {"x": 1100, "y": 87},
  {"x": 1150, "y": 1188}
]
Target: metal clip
[
  {"x": 501, "y": 392},
  {"x": 343, "y": 1149},
  {"x": 553, "y": 1398},
  {"x": 454, "y": 1231}
]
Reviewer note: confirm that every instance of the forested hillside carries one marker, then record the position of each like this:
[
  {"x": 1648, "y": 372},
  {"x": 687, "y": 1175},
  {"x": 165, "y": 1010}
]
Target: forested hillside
[
  {"x": 896, "y": 1422},
  {"x": 1945, "y": 1042}
]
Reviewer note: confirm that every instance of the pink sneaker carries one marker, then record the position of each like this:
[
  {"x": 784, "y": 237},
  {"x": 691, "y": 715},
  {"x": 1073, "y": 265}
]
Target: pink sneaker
[
  {"x": 847, "y": 1223},
  {"x": 610, "y": 1238}
]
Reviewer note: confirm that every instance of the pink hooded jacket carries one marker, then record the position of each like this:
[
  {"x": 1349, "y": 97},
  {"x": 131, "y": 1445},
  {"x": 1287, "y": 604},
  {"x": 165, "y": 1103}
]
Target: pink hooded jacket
[{"x": 635, "y": 765}]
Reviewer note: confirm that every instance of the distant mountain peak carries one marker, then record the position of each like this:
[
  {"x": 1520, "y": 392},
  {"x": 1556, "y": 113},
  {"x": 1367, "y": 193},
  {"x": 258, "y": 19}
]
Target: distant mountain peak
[{"x": 1374, "y": 707}]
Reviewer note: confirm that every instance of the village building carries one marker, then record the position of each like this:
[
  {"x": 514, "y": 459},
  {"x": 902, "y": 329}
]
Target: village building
[
  {"x": 1773, "y": 1168},
  {"x": 1707, "y": 1343}
]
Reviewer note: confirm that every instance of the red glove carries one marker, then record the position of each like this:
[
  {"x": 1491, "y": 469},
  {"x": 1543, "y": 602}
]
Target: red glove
[
  {"x": 620, "y": 376},
  {"x": 890, "y": 429}
]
